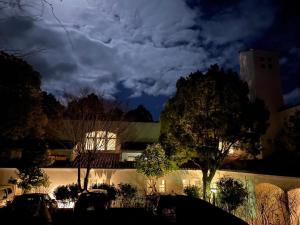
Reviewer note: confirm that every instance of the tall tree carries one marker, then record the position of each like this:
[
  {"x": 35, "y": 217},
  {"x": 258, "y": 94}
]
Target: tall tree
[
  {"x": 51, "y": 106},
  {"x": 92, "y": 124},
  {"x": 209, "y": 114},
  {"x": 140, "y": 114},
  {"x": 21, "y": 113}
]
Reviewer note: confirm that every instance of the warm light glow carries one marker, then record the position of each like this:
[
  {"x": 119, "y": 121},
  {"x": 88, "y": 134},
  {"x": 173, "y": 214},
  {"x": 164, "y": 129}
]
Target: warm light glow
[
  {"x": 231, "y": 149},
  {"x": 213, "y": 190},
  {"x": 100, "y": 140},
  {"x": 162, "y": 186},
  {"x": 185, "y": 183},
  {"x": 68, "y": 205}
]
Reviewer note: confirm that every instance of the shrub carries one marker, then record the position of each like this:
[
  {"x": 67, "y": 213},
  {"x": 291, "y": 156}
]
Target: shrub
[
  {"x": 73, "y": 191},
  {"x": 127, "y": 190},
  {"x": 231, "y": 193},
  {"x": 62, "y": 193},
  {"x": 127, "y": 195},
  {"x": 66, "y": 193},
  {"x": 111, "y": 190},
  {"x": 192, "y": 191}
]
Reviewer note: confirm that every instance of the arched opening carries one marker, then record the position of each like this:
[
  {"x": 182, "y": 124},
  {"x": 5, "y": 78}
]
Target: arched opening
[
  {"x": 271, "y": 205},
  {"x": 294, "y": 206}
]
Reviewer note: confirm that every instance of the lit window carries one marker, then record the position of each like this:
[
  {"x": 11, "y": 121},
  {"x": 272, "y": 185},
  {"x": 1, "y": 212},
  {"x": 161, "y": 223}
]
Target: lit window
[
  {"x": 162, "y": 186},
  {"x": 100, "y": 140}
]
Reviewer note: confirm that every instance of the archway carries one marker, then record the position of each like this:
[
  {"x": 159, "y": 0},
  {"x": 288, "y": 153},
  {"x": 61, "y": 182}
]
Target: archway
[
  {"x": 271, "y": 205},
  {"x": 294, "y": 206}
]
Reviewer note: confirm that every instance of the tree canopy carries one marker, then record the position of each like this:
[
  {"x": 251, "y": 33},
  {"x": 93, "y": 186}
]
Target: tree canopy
[
  {"x": 209, "y": 114},
  {"x": 22, "y": 114},
  {"x": 139, "y": 114},
  {"x": 153, "y": 163},
  {"x": 51, "y": 106}
]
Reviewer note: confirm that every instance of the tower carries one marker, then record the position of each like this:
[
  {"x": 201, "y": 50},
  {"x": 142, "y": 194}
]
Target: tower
[{"x": 260, "y": 69}]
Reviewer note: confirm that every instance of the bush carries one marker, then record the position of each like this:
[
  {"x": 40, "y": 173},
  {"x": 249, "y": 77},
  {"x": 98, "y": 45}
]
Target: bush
[
  {"x": 127, "y": 195},
  {"x": 192, "y": 191},
  {"x": 73, "y": 191},
  {"x": 111, "y": 190},
  {"x": 62, "y": 193},
  {"x": 231, "y": 193},
  {"x": 127, "y": 190},
  {"x": 66, "y": 193}
]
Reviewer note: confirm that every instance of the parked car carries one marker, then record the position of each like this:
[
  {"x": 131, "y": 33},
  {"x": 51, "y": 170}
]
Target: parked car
[
  {"x": 91, "y": 201},
  {"x": 91, "y": 206},
  {"x": 181, "y": 209},
  {"x": 36, "y": 208},
  {"x": 6, "y": 195}
]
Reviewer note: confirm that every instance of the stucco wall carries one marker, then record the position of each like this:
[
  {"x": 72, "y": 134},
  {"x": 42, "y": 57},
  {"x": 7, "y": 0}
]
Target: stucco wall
[{"x": 174, "y": 181}]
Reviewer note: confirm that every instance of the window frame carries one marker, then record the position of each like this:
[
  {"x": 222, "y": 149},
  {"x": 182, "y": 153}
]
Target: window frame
[{"x": 92, "y": 141}]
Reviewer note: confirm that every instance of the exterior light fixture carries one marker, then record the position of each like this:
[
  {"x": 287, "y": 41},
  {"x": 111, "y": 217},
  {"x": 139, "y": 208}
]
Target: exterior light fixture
[{"x": 213, "y": 190}]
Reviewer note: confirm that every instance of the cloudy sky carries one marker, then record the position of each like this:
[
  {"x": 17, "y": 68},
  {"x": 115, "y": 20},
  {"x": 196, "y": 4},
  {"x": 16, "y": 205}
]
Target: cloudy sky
[{"x": 137, "y": 49}]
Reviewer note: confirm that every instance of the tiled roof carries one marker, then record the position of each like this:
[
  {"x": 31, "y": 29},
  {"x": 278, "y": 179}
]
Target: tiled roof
[{"x": 100, "y": 160}]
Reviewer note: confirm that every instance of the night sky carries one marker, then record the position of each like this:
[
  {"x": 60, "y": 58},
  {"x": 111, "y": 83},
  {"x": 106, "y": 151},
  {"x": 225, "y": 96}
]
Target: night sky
[{"x": 137, "y": 49}]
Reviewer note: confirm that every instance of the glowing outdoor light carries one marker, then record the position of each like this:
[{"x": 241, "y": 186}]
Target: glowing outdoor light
[{"x": 213, "y": 190}]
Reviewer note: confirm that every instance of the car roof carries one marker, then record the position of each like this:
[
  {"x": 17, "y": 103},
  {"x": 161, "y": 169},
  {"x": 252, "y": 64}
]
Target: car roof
[{"x": 192, "y": 208}]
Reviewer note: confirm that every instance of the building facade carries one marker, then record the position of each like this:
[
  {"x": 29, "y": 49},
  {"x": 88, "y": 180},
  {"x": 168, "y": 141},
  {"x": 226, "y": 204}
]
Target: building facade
[{"x": 261, "y": 70}]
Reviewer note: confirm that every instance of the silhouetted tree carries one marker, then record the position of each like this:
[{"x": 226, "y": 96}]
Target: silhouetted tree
[
  {"x": 90, "y": 122},
  {"x": 51, "y": 106},
  {"x": 140, "y": 114},
  {"x": 209, "y": 114},
  {"x": 21, "y": 113}
]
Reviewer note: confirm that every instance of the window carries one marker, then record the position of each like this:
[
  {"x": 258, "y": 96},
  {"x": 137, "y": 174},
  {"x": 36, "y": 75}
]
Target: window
[
  {"x": 262, "y": 58},
  {"x": 162, "y": 186},
  {"x": 270, "y": 66},
  {"x": 263, "y": 66},
  {"x": 100, "y": 140}
]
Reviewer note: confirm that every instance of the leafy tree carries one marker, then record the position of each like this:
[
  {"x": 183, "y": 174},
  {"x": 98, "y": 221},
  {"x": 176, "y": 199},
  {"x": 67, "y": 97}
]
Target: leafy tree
[
  {"x": 140, "y": 114},
  {"x": 192, "y": 191},
  {"x": 32, "y": 177},
  {"x": 153, "y": 163},
  {"x": 209, "y": 114},
  {"x": 231, "y": 193},
  {"x": 22, "y": 114},
  {"x": 30, "y": 174},
  {"x": 51, "y": 106}
]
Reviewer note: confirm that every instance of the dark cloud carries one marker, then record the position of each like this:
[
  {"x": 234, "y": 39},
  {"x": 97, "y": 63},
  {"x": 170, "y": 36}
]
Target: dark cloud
[{"x": 145, "y": 46}]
